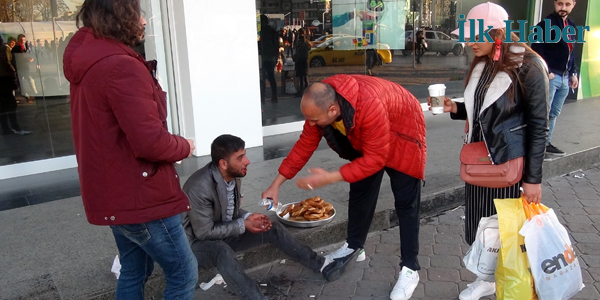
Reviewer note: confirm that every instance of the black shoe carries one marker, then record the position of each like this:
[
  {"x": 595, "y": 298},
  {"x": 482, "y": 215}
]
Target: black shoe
[
  {"x": 334, "y": 270},
  {"x": 274, "y": 100},
  {"x": 552, "y": 150}
]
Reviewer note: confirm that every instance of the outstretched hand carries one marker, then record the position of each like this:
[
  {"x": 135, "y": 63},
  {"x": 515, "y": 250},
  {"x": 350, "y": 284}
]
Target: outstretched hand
[{"x": 256, "y": 223}]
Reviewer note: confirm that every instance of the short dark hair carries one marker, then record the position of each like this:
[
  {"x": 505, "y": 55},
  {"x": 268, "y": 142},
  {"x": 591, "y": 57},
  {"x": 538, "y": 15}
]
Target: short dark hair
[
  {"x": 322, "y": 94},
  {"x": 20, "y": 36},
  {"x": 11, "y": 39},
  {"x": 224, "y": 146},
  {"x": 116, "y": 19}
]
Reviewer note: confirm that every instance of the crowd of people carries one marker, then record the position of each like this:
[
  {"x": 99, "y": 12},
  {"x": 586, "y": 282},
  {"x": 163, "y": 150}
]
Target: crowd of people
[{"x": 126, "y": 155}]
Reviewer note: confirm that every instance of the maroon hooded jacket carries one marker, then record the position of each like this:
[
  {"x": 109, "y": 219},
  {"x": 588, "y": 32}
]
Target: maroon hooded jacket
[{"x": 124, "y": 151}]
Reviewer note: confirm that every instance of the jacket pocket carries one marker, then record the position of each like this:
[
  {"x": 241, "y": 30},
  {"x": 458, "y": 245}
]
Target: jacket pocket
[
  {"x": 518, "y": 128},
  {"x": 409, "y": 138},
  {"x": 137, "y": 233}
]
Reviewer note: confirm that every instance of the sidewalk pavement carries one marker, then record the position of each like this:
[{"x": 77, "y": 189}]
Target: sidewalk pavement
[{"x": 575, "y": 200}]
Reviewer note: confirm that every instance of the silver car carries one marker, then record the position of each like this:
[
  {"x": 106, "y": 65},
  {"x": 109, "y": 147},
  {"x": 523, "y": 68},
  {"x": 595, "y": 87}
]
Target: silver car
[{"x": 437, "y": 42}]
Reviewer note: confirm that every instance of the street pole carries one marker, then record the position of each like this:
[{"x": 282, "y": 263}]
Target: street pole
[{"x": 413, "y": 38}]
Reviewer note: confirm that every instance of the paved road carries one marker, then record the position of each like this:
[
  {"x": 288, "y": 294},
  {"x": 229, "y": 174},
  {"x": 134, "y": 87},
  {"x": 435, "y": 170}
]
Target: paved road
[{"x": 575, "y": 200}]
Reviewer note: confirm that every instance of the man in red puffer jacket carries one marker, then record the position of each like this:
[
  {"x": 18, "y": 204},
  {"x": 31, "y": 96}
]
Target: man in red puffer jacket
[
  {"x": 125, "y": 153},
  {"x": 379, "y": 126}
]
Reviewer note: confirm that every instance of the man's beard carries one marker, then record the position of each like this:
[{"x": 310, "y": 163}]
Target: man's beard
[
  {"x": 234, "y": 173},
  {"x": 563, "y": 13}
]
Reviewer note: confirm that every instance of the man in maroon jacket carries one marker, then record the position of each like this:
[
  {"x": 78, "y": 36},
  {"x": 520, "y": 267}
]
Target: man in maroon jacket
[
  {"x": 380, "y": 127},
  {"x": 124, "y": 150}
]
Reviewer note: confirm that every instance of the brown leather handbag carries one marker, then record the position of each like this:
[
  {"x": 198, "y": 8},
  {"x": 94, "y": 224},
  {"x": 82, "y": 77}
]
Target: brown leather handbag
[{"x": 476, "y": 168}]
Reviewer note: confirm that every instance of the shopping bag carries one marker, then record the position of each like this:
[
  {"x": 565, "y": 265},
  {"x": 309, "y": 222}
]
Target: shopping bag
[
  {"x": 483, "y": 254},
  {"x": 290, "y": 88},
  {"x": 513, "y": 278},
  {"x": 554, "y": 266}
]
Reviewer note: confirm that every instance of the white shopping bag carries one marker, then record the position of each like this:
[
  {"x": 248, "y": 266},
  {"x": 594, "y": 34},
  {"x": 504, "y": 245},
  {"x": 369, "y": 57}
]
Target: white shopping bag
[
  {"x": 481, "y": 257},
  {"x": 554, "y": 266}
]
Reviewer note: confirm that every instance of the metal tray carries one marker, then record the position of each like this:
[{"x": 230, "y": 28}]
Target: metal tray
[{"x": 302, "y": 224}]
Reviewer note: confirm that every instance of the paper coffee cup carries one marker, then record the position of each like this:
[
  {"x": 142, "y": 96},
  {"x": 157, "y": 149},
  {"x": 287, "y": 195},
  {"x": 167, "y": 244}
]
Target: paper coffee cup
[{"x": 437, "y": 93}]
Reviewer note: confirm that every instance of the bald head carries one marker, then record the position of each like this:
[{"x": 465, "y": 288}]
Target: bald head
[{"x": 322, "y": 95}]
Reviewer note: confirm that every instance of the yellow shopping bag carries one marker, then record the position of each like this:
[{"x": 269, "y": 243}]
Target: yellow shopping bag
[{"x": 513, "y": 276}]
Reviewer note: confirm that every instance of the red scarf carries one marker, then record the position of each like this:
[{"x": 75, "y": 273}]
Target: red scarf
[{"x": 22, "y": 46}]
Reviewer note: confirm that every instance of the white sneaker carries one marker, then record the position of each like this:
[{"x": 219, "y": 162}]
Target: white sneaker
[
  {"x": 343, "y": 251},
  {"x": 478, "y": 289},
  {"x": 406, "y": 284}
]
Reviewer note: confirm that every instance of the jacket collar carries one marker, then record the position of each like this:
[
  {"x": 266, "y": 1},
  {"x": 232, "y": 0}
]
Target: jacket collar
[
  {"x": 498, "y": 87},
  {"x": 222, "y": 191}
]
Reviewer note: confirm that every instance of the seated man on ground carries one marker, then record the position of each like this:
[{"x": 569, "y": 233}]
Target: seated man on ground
[{"x": 217, "y": 227}]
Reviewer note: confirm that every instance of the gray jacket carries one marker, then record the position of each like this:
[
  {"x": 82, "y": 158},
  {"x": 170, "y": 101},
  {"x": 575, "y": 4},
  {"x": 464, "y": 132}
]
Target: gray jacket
[{"x": 207, "y": 192}]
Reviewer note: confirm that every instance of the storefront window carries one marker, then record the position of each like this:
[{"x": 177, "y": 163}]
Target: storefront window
[
  {"x": 34, "y": 108},
  {"x": 371, "y": 37}
]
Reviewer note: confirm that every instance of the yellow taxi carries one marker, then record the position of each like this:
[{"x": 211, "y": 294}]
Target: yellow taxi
[{"x": 345, "y": 51}]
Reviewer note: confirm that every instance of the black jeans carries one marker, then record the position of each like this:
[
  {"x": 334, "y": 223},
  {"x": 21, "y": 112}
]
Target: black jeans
[
  {"x": 407, "y": 201},
  {"x": 221, "y": 254},
  {"x": 8, "y": 110},
  {"x": 268, "y": 72}
]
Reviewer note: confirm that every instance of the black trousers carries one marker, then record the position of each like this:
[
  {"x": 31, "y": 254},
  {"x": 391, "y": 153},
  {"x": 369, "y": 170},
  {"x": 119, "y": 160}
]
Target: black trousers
[
  {"x": 221, "y": 254},
  {"x": 268, "y": 69},
  {"x": 407, "y": 201},
  {"x": 8, "y": 110}
]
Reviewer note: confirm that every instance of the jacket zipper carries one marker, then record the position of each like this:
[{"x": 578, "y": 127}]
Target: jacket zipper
[{"x": 410, "y": 139}]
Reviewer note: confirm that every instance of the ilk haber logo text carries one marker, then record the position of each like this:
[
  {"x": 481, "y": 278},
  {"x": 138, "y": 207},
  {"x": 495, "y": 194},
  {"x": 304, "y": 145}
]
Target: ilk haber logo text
[{"x": 537, "y": 35}]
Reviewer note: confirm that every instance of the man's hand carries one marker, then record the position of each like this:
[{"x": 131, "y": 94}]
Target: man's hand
[
  {"x": 573, "y": 82},
  {"x": 532, "y": 192},
  {"x": 273, "y": 190},
  {"x": 449, "y": 105},
  {"x": 192, "y": 147},
  {"x": 551, "y": 76},
  {"x": 256, "y": 223},
  {"x": 318, "y": 178}
]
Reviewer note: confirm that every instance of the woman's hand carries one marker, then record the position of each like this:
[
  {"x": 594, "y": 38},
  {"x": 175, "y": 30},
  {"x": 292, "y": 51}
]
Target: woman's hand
[
  {"x": 532, "y": 192},
  {"x": 449, "y": 105}
]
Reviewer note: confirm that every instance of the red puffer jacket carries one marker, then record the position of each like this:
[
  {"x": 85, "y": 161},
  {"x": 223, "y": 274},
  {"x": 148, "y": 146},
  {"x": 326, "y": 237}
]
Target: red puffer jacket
[
  {"x": 124, "y": 151},
  {"x": 387, "y": 128}
]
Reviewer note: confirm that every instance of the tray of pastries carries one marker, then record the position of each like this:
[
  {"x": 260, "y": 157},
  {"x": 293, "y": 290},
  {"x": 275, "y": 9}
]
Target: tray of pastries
[{"x": 311, "y": 212}]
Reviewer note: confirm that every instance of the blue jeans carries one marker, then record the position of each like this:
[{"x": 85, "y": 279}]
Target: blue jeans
[
  {"x": 163, "y": 241},
  {"x": 559, "y": 89}
]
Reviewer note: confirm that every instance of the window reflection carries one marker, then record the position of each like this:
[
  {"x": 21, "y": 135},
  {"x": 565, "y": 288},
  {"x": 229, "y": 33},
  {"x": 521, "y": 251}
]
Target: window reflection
[{"x": 35, "y": 114}]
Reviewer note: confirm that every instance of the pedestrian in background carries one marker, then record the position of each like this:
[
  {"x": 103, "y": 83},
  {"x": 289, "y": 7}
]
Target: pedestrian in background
[
  {"x": 561, "y": 61},
  {"x": 301, "y": 63},
  {"x": 269, "y": 53},
  {"x": 125, "y": 153}
]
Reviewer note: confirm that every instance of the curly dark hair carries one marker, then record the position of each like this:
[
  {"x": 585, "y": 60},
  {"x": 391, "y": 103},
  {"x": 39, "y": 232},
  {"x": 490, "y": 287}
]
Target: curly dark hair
[{"x": 117, "y": 19}]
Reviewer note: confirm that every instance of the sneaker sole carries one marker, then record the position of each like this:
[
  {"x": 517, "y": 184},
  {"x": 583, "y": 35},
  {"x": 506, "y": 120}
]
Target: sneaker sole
[{"x": 335, "y": 274}]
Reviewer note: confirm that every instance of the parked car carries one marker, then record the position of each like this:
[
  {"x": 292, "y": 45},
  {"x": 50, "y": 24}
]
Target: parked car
[
  {"x": 437, "y": 41},
  {"x": 323, "y": 38},
  {"x": 329, "y": 53}
]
